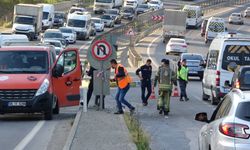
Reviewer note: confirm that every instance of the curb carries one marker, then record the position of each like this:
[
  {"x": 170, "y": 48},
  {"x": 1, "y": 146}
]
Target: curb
[{"x": 72, "y": 133}]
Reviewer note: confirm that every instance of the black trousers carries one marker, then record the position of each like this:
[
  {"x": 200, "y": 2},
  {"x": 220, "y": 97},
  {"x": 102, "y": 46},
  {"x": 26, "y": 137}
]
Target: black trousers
[
  {"x": 89, "y": 94},
  {"x": 145, "y": 84},
  {"x": 183, "y": 86}
]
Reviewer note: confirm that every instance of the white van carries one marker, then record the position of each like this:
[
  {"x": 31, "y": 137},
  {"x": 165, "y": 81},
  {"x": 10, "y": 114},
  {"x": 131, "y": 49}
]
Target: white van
[
  {"x": 8, "y": 39},
  {"x": 81, "y": 23},
  {"x": 48, "y": 15},
  {"x": 194, "y": 15},
  {"x": 225, "y": 49},
  {"x": 215, "y": 26}
]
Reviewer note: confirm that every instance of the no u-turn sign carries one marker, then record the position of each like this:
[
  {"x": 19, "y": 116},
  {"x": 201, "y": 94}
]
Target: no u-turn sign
[{"x": 101, "y": 50}]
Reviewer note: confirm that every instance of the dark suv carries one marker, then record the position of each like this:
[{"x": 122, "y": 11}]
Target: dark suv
[
  {"x": 241, "y": 78},
  {"x": 195, "y": 64}
]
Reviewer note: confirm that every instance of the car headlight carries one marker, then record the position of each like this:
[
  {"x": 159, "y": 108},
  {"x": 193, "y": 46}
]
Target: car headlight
[{"x": 43, "y": 88}]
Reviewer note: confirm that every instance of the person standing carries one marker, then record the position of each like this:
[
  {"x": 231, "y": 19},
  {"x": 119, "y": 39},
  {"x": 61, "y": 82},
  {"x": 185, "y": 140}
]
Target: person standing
[
  {"x": 165, "y": 77},
  {"x": 183, "y": 79},
  {"x": 144, "y": 73},
  {"x": 90, "y": 73},
  {"x": 123, "y": 81}
]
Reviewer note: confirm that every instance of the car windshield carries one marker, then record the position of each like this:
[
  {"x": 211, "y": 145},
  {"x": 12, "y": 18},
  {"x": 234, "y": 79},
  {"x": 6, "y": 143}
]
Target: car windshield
[
  {"x": 23, "y": 62},
  {"x": 127, "y": 10},
  {"x": 104, "y": 1},
  {"x": 236, "y": 15},
  {"x": 154, "y": 2},
  {"x": 192, "y": 57},
  {"x": 143, "y": 6},
  {"x": 53, "y": 35},
  {"x": 96, "y": 20},
  {"x": 76, "y": 23},
  {"x": 111, "y": 12},
  {"x": 240, "y": 54},
  {"x": 65, "y": 30},
  {"x": 45, "y": 15},
  {"x": 59, "y": 15},
  {"x": 106, "y": 17},
  {"x": 243, "y": 111},
  {"x": 178, "y": 41},
  {"x": 75, "y": 9},
  {"x": 56, "y": 44},
  {"x": 24, "y": 20}
]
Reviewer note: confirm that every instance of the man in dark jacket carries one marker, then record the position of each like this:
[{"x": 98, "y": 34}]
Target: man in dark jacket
[{"x": 144, "y": 73}]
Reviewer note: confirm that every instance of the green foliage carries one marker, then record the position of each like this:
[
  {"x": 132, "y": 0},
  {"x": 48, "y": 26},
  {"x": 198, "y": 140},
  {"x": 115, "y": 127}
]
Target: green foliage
[{"x": 138, "y": 135}]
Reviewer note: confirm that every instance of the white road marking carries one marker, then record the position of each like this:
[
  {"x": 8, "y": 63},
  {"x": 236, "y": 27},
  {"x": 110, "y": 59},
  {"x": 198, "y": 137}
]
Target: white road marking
[
  {"x": 148, "y": 51},
  {"x": 30, "y": 136}
]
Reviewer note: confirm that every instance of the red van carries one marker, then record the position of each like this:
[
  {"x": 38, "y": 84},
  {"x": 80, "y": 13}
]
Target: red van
[{"x": 32, "y": 80}]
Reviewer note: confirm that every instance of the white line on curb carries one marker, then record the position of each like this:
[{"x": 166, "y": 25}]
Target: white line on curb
[
  {"x": 30, "y": 136},
  {"x": 148, "y": 51}
]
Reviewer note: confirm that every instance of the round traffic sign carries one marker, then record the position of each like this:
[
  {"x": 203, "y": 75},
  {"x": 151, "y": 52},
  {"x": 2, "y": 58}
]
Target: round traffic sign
[{"x": 101, "y": 50}]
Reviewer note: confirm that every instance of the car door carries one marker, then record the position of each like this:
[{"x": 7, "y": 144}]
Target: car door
[{"x": 67, "y": 87}]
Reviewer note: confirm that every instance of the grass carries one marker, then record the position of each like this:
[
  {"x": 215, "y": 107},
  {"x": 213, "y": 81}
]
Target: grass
[{"x": 139, "y": 137}]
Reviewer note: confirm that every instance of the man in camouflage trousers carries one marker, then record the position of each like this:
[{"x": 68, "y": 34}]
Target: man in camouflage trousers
[{"x": 165, "y": 77}]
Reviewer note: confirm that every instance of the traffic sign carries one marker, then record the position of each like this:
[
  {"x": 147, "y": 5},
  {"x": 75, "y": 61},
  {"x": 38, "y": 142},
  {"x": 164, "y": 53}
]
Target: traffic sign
[
  {"x": 157, "y": 18},
  {"x": 101, "y": 50},
  {"x": 130, "y": 32}
]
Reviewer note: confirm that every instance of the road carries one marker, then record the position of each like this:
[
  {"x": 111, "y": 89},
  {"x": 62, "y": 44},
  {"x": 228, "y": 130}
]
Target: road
[{"x": 179, "y": 131}]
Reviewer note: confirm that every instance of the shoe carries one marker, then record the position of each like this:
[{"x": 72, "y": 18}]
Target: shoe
[
  {"x": 145, "y": 104},
  {"x": 132, "y": 111},
  {"x": 187, "y": 99},
  {"x": 160, "y": 112},
  {"x": 118, "y": 112},
  {"x": 166, "y": 114},
  {"x": 181, "y": 99}
]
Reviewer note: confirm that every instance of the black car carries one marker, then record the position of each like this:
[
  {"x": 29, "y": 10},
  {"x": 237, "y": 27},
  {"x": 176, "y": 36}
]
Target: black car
[
  {"x": 128, "y": 13},
  {"x": 195, "y": 64},
  {"x": 59, "y": 19},
  {"x": 241, "y": 78}
]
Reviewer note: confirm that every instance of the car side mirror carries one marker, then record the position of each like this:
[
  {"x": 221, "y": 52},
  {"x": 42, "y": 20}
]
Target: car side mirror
[
  {"x": 232, "y": 66},
  {"x": 227, "y": 84},
  {"x": 202, "y": 117},
  {"x": 57, "y": 71}
]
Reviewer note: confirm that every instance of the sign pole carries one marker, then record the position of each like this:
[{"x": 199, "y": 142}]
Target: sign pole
[{"x": 102, "y": 80}]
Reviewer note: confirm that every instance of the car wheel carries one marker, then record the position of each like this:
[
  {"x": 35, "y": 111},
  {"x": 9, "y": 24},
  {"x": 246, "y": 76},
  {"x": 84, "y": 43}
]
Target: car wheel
[
  {"x": 204, "y": 96},
  {"x": 201, "y": 77},
  {"x": 56, "y": 110},
  {"x": 48, "y": 115}
]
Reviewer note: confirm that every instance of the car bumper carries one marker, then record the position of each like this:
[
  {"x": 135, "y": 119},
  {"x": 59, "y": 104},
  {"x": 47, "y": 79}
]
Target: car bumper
[
  {"x": 70, "y": 40},
  {"x": 176, "y": 51},
  {"x": 81, "y": 35},
  {"x": 99, "y": 29},
  {"x": 195, "y": 73},
  {"x": 235, "y": 21},
  {"x": 40, "y": 103}
]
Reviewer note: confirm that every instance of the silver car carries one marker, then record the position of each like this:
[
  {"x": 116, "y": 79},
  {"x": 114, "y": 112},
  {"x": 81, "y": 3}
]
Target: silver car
[
  {"x": 228, "y": 128},
  {"x": 108, "y": 20}
]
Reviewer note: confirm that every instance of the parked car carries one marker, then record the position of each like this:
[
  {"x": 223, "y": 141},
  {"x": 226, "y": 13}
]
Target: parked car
[
  {"x": 108, "y": 20},
  {"x": 69, "y": 34},
  {"x": 236, "y": 18},
  {"x": 53, "y": 34},
  {"x": 127, "y": 13},
  {"x": 59, "y": 18},
  {"x": 228, "y": 127},
  {"x": 195, "y": 64},
  {"x": 99, "y": 25},
  {"x": 247, "y": 12},
  {"x": 155, "y": 4},
  {"x": 115, "y": 13},
  {"x": 93, "y": 29},
  {"x": 203, "y": 27},
  {"x": 142, "y": 8},
  {"x": 59, "y": 47},
  {"x": 176, "y": 46}
]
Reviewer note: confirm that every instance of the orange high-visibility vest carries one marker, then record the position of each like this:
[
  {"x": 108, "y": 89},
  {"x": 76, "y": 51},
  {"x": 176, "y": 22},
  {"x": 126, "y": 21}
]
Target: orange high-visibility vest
[{"x": 122, "y": 82}]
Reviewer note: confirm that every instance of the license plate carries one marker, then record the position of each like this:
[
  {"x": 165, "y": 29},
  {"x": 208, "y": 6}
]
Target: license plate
[
  {"x": 193, "y": 72},
  {"x": 16, "y": 104}
]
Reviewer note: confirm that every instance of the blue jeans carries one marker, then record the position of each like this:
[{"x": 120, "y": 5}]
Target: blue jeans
[{"x": 120, "y": 98}]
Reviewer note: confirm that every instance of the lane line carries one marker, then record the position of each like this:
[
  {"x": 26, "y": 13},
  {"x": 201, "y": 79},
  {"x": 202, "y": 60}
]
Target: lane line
[
  {"x": 26, "y": 140},
  {"x": 148, "y": 51}
]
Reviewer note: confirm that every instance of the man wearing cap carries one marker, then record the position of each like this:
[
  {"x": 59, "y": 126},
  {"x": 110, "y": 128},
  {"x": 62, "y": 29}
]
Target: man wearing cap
[
  {"x": 183, "y": 79},
  {"x": 165, "y": 77}
]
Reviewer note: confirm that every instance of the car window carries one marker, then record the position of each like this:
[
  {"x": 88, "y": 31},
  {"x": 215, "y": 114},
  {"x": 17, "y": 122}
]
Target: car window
[
  {"x": 192, "y": 57},
  {"x": 240, "y": 54},
  {"x": 245, "y": 79},
  {"x": 224, "y": 108},
  {"x": 68, "y": 60},
  {"x": 243, "y": 111},
  {"x": 212, "y": 59}
]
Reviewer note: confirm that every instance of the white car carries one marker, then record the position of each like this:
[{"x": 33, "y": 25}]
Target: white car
[
  {"x": 69, "y": 34},
  {"x": 99, "y": 25},
  {"x": 236, "y": 18},
  {"x": 176, "y": 46},
  {"x": 228, "y": 127},
  {"x": 57, "y": 44},
  {"x": 155, "y": 4},
  {"x": 247, "y": 12},
  {"x": 76, "y": 9},
  {"x": 108, "y": 20}
]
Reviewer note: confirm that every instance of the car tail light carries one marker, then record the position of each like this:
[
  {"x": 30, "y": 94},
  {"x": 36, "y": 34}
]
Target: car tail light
[
  {"x": 185, "y": 46},
  {"x": 237, "y": 84},
  {"x": 217, "y": 79},
  {"x": 234, "y": 130},
  {"x": 171, "y": 45}
]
